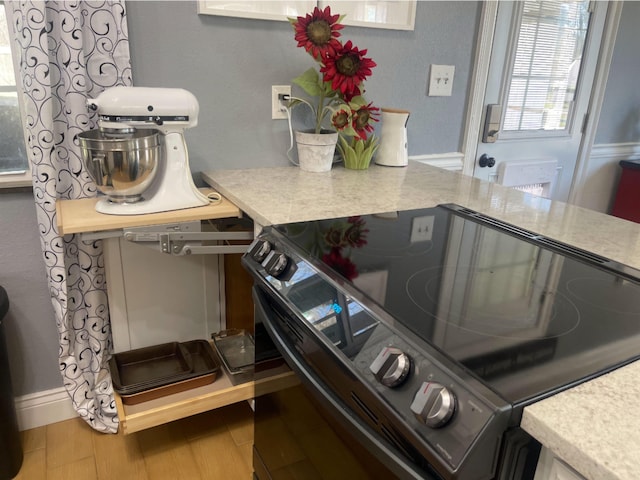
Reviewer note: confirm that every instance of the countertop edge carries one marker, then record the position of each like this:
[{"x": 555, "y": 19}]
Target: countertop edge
[
  {"x": 257, "y": 217},
  {"x": 579, "y": 425}
]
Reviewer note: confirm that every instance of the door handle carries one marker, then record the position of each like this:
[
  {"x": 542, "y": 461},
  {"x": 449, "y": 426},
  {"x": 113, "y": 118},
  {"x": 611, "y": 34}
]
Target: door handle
[{"x": 486, "y": 161}]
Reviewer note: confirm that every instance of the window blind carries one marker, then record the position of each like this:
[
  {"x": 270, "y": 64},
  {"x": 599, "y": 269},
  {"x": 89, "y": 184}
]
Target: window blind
[{"x": 546, "y": 65}]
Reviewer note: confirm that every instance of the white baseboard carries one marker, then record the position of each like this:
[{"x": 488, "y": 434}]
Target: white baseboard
[
  {"x": 42, "y": 408},
  {"x": 616, "y": 151},
  {"x": 449, "y": 161}
]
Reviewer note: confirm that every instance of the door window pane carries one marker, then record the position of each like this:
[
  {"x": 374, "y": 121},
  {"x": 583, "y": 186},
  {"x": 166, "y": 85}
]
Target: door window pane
[{"x": 546, "y": 64}]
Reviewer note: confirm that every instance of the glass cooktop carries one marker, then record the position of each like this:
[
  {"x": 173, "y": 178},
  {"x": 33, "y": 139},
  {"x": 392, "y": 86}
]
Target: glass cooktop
[{"x": 525, "y": 315}]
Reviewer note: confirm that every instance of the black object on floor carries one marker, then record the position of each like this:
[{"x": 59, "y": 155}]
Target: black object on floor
[{"x": 10, "y": 443}]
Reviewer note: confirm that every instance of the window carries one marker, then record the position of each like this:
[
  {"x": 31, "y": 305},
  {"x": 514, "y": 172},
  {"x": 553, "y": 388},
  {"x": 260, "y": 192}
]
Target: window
[
  {"x": 551, "y": 39},
  {"x": 14, "y": 167}
]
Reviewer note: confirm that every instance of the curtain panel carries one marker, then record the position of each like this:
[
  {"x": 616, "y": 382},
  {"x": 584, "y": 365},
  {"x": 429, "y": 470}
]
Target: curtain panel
[{"x": 66, "y": 52}]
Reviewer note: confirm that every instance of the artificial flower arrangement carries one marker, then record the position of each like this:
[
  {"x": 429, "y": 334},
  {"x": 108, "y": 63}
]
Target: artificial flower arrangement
[{"x": 338, "y": 85}]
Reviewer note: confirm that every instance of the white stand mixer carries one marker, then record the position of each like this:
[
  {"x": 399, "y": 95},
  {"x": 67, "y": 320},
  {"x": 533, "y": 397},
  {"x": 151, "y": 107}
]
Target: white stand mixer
[{"x": 124, "y": 168}]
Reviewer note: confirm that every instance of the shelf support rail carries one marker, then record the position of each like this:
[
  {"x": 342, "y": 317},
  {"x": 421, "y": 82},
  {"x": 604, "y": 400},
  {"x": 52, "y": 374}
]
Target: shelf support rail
[
  {"x": 181, "y": 243},
  {"x": 179, "y": 239}
]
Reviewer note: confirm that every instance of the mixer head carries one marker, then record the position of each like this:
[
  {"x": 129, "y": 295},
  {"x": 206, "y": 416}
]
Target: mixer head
[
  {"x": 167, "y": 109},
  {"x": 138, "y": 157}
]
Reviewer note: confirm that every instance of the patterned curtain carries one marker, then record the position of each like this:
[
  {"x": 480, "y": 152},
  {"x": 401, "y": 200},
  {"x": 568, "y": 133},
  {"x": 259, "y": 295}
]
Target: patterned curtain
[{"x": 68, "y": 51}]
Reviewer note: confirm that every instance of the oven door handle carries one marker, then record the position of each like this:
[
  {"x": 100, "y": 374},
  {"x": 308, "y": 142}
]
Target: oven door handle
[{"x": 367, "y": 437}]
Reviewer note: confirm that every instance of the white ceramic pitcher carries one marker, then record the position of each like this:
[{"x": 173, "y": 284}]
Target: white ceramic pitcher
[{"x": 393, "y": 150}]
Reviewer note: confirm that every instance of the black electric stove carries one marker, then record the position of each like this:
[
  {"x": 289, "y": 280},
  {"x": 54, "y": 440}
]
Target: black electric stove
[{"x": 438, "y": 326}]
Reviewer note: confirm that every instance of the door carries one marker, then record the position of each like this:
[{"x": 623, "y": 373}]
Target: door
[{"x": 541, "y": 74}]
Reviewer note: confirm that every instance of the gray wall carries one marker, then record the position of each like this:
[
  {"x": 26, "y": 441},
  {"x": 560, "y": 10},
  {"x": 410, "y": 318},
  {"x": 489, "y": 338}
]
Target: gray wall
[
  {"x": 30, "y": 325},
  {"x": 229, "y": 64},
  {"x": 620, "y": 116}
]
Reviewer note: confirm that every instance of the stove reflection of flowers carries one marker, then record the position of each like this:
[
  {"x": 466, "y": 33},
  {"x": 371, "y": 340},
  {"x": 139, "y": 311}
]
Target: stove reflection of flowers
[{"x": 340, "y": 238}]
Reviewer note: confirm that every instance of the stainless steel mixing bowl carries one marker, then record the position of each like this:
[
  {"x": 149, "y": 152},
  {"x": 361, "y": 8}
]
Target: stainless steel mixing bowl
[{"x": 123, "y": 165}]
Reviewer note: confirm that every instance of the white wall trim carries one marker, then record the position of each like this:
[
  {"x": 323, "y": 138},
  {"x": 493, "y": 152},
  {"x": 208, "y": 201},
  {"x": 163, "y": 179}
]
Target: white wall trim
[
  {"x": 449, "y": 161},
  {"x": 42, "y": 408},
  {"x": 616, "y": 151}
]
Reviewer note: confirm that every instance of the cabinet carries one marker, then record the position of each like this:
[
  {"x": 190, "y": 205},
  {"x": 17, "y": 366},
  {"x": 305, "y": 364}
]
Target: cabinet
[
  {"x": 80, "y": 217},
  {"x": 551, "y": 467},
  {"x": 627, "y": 201}
]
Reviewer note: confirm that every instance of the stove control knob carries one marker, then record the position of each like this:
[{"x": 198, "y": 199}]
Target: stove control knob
[
  {"x": 434, "y": 404},
  {"x": 259, "y": 249},
  {"x": 391, "y": 367},
  {"x": 275, "y": 263}
]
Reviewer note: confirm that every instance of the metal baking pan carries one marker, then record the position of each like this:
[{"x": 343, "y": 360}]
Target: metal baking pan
[
  {"x": 203, "y": 357},
  {"x": 149, "y": 367},
  {"x": 236, "y": 350},
  {"x": 205, "y": 371}
]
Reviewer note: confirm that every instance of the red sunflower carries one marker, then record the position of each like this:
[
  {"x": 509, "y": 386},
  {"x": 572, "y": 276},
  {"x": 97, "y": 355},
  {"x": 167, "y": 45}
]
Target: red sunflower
[
  {"x": 317, "y": 33},
  {"x": 347, "y": 69},
  {"x": 362, "y": 119},
  {"x": 343, "y": 118}
]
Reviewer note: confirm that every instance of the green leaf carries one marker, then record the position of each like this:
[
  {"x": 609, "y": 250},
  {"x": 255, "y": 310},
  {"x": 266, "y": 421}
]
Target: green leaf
[
  {"x": 357, "y": 102},
  {"x": 309, "y": 81},
  {"x": 328, "y": 91}
]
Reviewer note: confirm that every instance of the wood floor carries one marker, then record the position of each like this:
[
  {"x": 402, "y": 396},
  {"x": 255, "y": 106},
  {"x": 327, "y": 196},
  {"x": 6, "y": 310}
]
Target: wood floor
[{"x": 215, "y": 445}]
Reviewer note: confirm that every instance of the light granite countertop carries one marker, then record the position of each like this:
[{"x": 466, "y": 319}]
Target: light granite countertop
[{"x": 587, "y": 426}]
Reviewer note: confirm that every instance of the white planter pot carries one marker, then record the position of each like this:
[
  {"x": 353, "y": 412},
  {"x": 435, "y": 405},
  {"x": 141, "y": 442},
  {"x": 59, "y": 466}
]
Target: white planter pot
[{"x": 316, "y": 150}]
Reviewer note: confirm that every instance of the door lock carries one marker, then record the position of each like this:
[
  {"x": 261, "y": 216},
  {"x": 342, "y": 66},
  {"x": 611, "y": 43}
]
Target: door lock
[{"x": 492, "y": 123}]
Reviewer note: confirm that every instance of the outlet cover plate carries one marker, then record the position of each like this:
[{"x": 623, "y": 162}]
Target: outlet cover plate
[{"x": 278, "y": 110}]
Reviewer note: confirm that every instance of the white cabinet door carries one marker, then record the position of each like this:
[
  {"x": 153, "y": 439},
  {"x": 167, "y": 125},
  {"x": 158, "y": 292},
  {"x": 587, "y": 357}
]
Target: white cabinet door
[
  {"x": 156, "y": 298},
  {"x": 551, "y": 467}
]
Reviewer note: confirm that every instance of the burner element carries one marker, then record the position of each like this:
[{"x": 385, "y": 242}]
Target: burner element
[
  {"x": 611, "y": 294},
  {"x": 534, "y": 313}
]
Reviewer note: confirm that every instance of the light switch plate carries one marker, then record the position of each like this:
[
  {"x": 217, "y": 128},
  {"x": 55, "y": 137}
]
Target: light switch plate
[
  {"x": 441, "y": 80},
  {"x": 422, "y": 228}
]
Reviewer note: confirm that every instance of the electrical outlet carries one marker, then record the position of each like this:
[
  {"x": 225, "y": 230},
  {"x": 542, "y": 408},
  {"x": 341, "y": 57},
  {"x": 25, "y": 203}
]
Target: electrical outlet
[
  {"x": 278, "y": 107},
  {"x": 441, "y": 80},
  {"x": 422, "y": 229}
]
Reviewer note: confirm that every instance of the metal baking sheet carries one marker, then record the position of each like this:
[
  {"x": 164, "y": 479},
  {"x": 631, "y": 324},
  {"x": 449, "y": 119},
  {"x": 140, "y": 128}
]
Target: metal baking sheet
[
  {"x": 205, "y": 371},
  {"x": 149, "y": 367}
]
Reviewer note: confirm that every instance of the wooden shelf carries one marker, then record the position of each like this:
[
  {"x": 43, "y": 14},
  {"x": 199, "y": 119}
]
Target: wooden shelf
[
  {"x": 79, "y": 216},
  {"x": 220, "y": 393}
]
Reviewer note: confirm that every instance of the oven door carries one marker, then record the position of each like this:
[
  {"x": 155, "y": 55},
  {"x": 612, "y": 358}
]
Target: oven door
[{"x": 308, "y": 432}]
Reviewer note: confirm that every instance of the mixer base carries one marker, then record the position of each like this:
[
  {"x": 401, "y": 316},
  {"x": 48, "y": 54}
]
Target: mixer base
[{"x": 142, "y": 207}]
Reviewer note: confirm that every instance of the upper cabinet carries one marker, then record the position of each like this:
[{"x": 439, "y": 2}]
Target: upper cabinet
[{"x": 390, "y": 14}]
